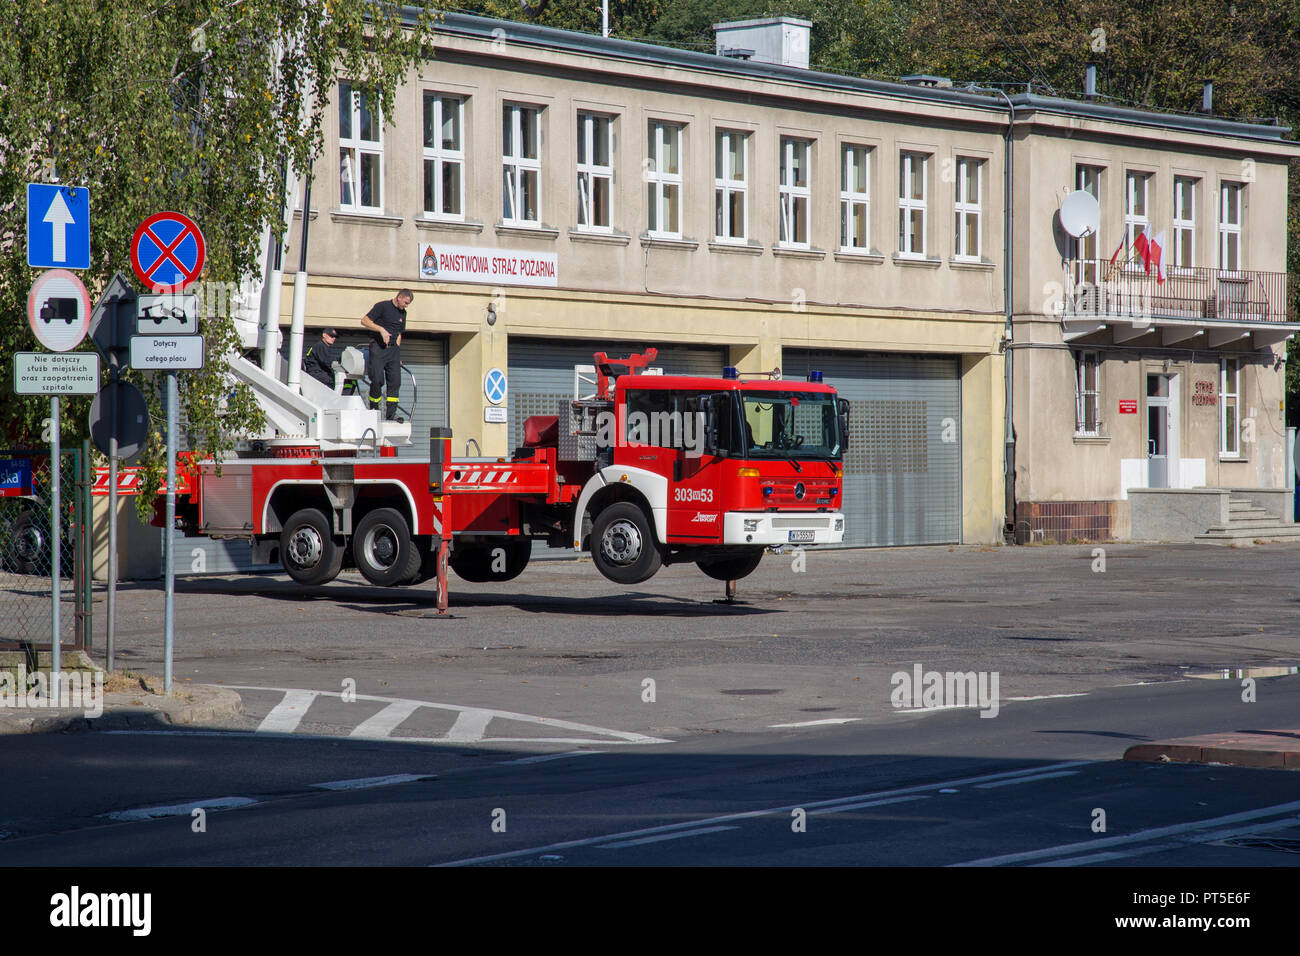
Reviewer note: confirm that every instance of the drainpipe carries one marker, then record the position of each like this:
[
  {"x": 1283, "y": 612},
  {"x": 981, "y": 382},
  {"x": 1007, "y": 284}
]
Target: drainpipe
[
  {"x": 300, "y": 295},
  {"x": 1008, "y": 304}
]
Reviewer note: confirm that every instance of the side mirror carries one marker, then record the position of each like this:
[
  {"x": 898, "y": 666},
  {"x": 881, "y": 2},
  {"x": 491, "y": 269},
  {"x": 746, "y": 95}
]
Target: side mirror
[{"x": 842, "y": 404}]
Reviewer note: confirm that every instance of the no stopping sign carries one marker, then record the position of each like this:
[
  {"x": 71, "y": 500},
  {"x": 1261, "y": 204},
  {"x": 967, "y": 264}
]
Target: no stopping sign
[{"x": 167, "y": 252}]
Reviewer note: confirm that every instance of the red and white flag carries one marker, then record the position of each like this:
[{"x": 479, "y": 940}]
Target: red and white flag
[
  {"x": 1120, "y": 248},
  {"x": 1155, "y": 254},
  {"x": 1143, "y": 248}
]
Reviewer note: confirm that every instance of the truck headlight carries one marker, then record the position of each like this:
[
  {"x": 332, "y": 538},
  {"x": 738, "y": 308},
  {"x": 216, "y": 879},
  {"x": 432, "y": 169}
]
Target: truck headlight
[
  {"x": 751, "y": 524},
  {"x": 839, "y": 524}
]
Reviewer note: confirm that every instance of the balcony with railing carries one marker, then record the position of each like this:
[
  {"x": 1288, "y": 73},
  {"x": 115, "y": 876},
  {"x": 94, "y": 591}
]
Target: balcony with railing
[{"x": 1224, "y": 305}]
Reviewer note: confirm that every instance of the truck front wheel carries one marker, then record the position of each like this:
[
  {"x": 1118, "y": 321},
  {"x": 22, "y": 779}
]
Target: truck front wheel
[
  {"x": 732, "y": 568},
  {"x": 383, "y": 550},
  {"x": 308, "y": 551},
  {"x": 623, "y": 544}
]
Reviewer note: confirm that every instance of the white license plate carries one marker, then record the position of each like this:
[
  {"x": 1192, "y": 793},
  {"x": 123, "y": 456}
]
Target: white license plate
[{"x": 803, "y": 534}]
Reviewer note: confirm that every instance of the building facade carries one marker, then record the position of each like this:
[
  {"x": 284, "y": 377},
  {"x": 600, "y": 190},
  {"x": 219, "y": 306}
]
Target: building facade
[{"x": 547, "y": 194}]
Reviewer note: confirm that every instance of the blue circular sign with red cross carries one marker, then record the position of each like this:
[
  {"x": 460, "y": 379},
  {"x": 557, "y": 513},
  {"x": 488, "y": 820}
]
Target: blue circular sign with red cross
[{"x": 167, "y": 252}]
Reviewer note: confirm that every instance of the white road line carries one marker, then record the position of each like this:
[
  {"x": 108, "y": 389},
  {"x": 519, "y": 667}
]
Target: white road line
[
  {"x": 1143, "y": 836},
  {"x": 819, "y": 723},
  {"x": 470, "y": 725},
  {"x": 1012, "y": 783},
  {"x": 286, "y": 715},
  {"x": 618, "y": 736},
  {"x": 180, "y": 809},
  {"x": 365, "y": 783},
  {"x": 1176, "y": 843},
  {"x": 662, "y": 838},
  {"x": 1045, "y": 697},
  {"x": 868, "y": 803},
  {"x": 386, "y": 721},
  {"x": 542, "y": 758},
  {"x": 752, "y": 814}
]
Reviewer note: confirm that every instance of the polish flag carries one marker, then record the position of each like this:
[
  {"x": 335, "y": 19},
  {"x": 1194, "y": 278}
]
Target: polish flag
[
  {"x": 1143, "y": 248},
  {"x": 1155, "y": 254},
  {"x": 1120, "y": 248}
]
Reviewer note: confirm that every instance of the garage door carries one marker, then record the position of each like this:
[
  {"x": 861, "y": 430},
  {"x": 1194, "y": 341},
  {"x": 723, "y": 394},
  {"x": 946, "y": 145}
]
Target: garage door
[
  {"x": 902, "y": 473},
  {"x": 541, "y": 372},
  {"x": 424, "y": 385}
]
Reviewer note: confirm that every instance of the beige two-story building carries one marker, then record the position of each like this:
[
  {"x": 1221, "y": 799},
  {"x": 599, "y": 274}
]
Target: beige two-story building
[{"x": 546, "y": 194}]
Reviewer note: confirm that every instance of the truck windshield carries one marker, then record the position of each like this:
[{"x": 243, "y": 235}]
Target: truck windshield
[{"x": 801, "y": 425}]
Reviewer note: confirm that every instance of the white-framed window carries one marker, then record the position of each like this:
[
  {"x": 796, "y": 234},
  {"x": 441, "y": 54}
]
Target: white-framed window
[
  {"x": 855, "y": 198},
  {"x": 795, "y": 191},
  {"x": 595, "y": 171},
  {"x": 444, "y": 155},
  {"x": 968, "y": 206},
  {"x": 1230, "y": 201},
  {"x": 1230, "y": 408},
  {"x": 663, "y": 176},
  {"x": 1184, "y": 222},
  {"x": 521, "y": 165},
  {"x": 730, "y": 185},
  {"x": 912, "y": 211},
  {"x": 1087, "y": 179},
  {"x": 1137, "y": 219},
  {"x": 1087, "y": 394},
  {"x": 361, "y": 150}
]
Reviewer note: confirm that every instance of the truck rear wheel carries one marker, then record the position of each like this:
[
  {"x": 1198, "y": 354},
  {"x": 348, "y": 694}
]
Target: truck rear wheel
[
  {"x": 623, "y": 544},
  {"x": 308, "y": 551},
  {"x": 733, "y": 568},
  {"x": 383, "y": 550},
  {"x": 480, "y": 563}
]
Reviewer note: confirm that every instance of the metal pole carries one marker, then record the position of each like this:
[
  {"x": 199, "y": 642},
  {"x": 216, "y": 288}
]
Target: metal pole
[
  {"x": 56, "y": 547},
  {"x": 294, "y": 378},
  {"x": 111, "y": 599},
  {"x": 604, "y": 18},
  {"x": 169, "y": 535}
]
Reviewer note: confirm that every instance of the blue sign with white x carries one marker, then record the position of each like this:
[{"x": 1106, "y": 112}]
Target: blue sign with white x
[
  {"x": 494, "y": 386},
  {"x": 58, "y": 226}
]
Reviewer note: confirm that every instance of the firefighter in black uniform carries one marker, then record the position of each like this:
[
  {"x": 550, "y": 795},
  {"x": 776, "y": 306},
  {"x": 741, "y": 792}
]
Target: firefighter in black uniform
[
  {"x": 321, "y": 356},
  {"x": 386, "y": 321}
]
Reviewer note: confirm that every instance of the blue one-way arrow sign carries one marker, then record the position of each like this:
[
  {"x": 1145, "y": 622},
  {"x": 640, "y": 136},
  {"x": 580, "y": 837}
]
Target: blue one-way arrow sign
[{"x": 58, "y": 226}]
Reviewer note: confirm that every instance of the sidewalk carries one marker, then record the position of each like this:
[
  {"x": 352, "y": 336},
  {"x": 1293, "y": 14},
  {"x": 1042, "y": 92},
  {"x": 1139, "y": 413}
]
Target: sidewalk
[
  {"x": 129, "y": 701},
  {"x": 1246, "y": 748}
]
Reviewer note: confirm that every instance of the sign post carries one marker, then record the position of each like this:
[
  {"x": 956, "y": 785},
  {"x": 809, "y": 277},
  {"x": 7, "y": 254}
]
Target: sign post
[{"x": 169, "y": 537}]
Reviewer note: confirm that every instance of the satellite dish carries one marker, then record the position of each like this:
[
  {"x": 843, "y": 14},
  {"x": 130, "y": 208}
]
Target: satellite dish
[{"x": 1080, "y": 214}]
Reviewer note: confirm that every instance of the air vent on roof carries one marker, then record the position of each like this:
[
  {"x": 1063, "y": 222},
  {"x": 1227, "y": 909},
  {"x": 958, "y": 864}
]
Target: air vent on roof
[
  {"x": 735, "y": 52},
  {"x": 925, "y": 79}
]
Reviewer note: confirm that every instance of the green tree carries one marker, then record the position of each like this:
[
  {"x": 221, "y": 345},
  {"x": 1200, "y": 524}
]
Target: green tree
[{"x": 191, "y": 105}]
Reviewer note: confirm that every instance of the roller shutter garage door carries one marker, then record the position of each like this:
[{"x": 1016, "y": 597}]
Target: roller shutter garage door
[
  {"x": 902, "y": 472},
  {"x": 541, "y": 372},
  {"x": 425, "y": 404}
]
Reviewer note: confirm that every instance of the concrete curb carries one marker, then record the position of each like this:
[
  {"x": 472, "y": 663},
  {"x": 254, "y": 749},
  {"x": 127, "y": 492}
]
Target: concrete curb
[
  {"x": 189, "y": 705},
  {"x": 1277, "y": 749}
]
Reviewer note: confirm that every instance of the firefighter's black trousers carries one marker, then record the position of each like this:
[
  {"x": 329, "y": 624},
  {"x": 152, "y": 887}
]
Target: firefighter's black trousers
[{"x": 385, "y": 368}]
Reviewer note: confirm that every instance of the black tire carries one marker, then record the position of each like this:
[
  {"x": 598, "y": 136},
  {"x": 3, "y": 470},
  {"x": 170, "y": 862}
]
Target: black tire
[
  {"x": 308, "y": 550},
  {"x": 29, "y": 544},
  {"x": 623, "y": 544},
  {"x": 733, "y": 568},
  {"x": 383, "y": 550},
  {"x": 477, "y": 562}
]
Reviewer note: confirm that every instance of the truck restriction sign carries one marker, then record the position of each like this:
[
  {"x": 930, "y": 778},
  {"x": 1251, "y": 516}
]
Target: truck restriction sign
[
  {"x": 58, "y": 310},
  {"x": 166, "y": 353},
  {"x": 56, "y": 373}
]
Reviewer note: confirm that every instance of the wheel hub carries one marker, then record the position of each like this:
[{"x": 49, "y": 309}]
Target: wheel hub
[
  {"x": 306, "y": 547},
  {"x": 381, "y": 548},
  {"x": 621, "y": 542}
]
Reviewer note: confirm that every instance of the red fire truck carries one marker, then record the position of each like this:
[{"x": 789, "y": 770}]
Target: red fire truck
[{"x": 650, "y": 470}]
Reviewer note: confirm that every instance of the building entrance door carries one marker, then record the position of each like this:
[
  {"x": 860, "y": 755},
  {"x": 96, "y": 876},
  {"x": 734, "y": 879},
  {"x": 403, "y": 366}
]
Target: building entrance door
[{"x": 1158, "y": 431}]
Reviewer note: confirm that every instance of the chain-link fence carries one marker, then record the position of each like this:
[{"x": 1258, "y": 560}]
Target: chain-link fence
[{"x": 26, "y": 549}]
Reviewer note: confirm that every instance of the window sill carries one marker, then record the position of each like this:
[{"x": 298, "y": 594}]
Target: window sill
[
  {"x": 612, "y": 238},
  {"x": 668, "y": 243},
  {"x": 1091, "y": 439},
  {"x": 850, "y": 255},
  {"x": 797, "y": 252},
  {"x": 448, "y": 225},
  {"x": 978, "y": 265},
  {"x": 901, "y": 260},
  {"x": 297, "y": 214},
  {"x": 1233, "y": 460},
  {"x": 370, "y": 218},
  {"x": 743, "y": 248},
  {"x": 527, "y": 232}
]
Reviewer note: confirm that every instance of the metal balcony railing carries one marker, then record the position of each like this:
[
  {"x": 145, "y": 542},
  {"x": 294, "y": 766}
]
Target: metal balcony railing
[{"x": 1094, "y": 287}]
